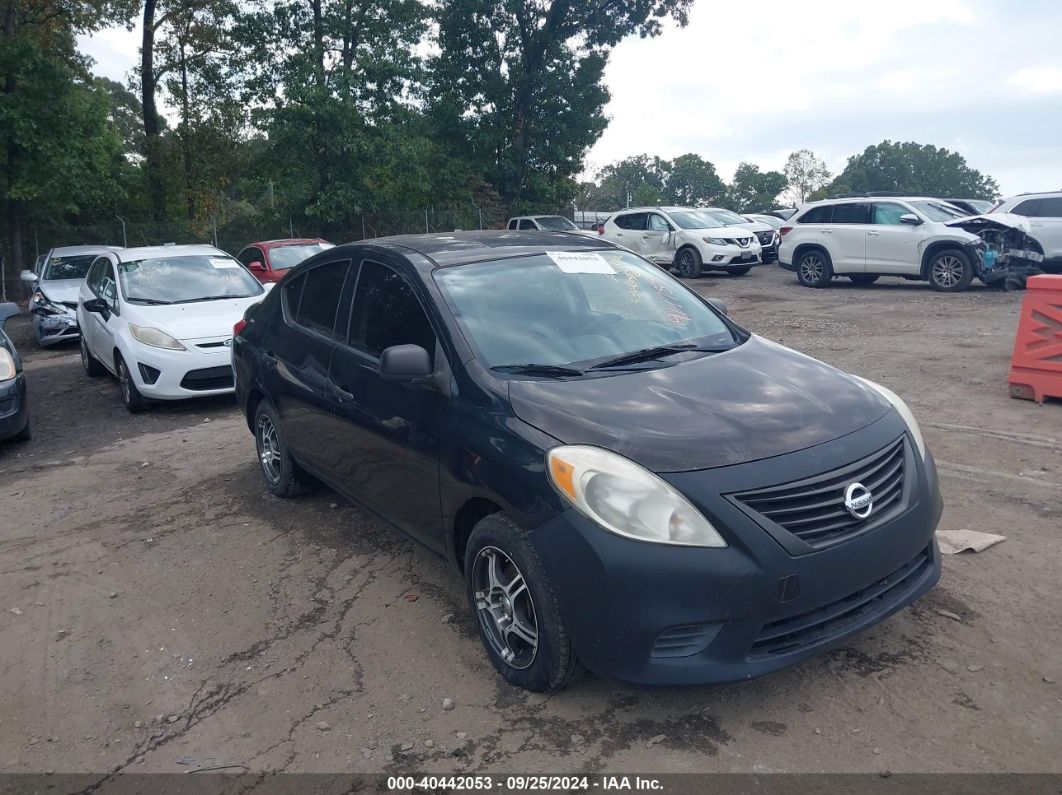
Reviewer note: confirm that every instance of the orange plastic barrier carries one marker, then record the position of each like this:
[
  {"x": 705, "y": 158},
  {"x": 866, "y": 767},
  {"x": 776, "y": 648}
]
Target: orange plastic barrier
[{"x": 1036, "y": 366}]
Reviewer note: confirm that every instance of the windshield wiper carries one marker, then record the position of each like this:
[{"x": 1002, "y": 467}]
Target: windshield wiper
[
  {"x": 647, "y": 354},
  {"x": 151, "y": 301},
  {"x": 210, "y": 298},
  {"x": 555, "y": 370}
]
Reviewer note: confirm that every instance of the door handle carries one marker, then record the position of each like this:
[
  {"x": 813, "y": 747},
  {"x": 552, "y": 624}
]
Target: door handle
[
  {"x": 874, "y": 233},
  {"x": 342, "y": 394},
  {"x": 826, "y": 231}
]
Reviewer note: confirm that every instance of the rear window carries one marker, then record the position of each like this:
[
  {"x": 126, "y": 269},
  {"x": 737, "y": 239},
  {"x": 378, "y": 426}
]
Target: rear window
[
  {"x": 631, "y": 221},
  {"x": 1027, "y": 208},
  {"x": 1050, "y": 208},
  {"x": 313, "y": 298},
  {"x": 817, "y": 215},
  {"x": 850, "y": 213}
]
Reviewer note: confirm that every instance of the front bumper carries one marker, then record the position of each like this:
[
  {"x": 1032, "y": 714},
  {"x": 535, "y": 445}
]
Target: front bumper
[
  {"x": 728, "y": 257},
  {"x": 13, "y": 409},
  {"x": 203, "y": 369},
  {"x": 51, "y": 329},
  {"x": 664, "y": 615}
]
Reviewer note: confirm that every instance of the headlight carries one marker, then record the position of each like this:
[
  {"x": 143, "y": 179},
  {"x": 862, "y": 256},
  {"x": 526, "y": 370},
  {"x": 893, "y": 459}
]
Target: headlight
[
  {"x": 7, "y": 365},
  {"x": 155, "y": 338},
  {"x": 905, "y": 412},
  {"x": 44, "y": 305},
  {"x": 716, "y": 241},
  {"x": 627, "y": 499}
]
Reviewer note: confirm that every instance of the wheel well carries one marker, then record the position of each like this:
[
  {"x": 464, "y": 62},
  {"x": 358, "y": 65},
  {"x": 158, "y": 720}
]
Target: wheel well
[
  {"x": 468, "y": 515},
  {"x": 254, "y": 397},
  {"x": 115, "y": 356},
  {"x": 932, "y": 250},
  {"x": 803, "y": 248}
]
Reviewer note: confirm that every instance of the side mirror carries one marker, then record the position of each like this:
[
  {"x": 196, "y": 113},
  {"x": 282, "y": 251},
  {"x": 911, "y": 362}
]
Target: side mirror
[
  {"x": 405, "y": 363},
  {"x": 718, "y": 304},
  {"x": 97, "y": 305},
  {"x": 28, "y": 276},
  {"x": 257, "y": 267},
  {"x": 8, "y": 310},
  {"x": 911, "y": 219}
]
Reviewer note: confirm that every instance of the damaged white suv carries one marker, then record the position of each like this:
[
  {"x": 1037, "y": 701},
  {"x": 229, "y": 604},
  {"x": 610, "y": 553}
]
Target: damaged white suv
[{"x": 865, "y": 238}]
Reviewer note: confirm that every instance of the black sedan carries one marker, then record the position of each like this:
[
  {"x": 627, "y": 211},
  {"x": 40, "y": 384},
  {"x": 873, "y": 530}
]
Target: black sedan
[
  {"x": 625, "y": 477},
  {"x": 14, "y": 414}
]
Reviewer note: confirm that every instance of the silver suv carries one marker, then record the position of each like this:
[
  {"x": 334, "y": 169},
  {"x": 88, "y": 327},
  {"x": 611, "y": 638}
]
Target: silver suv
[{"x": 1044, "y": 211}]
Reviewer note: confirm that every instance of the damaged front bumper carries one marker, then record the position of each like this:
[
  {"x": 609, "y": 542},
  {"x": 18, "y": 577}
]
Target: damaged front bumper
[
  {"x": 1006, "y": 253},
  {"x": 53, "y": 324}
]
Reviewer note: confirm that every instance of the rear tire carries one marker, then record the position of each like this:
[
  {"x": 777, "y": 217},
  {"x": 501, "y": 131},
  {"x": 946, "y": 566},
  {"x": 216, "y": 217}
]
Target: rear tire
[
  {"x": 131, "y": 396},
  {"x": 814, "y": 268},
  {"x": 92, "y": 366},
  {"x": 950, "y": 271},
  {"x": 282, "y": 475},
  {"x": 863, "y": 278},
  {"x": 515, "y": 609},
  {"x": 688, "y": 262}
]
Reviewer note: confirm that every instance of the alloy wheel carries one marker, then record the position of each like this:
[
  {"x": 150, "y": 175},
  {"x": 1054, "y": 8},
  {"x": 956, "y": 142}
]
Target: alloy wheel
[
  {"x": 947, "y": 271},
  {"x": 686, "y": 264},
  {"x": 812, "y": 269},
  {"x": 504, "y": 607},
  {"x": 123, "y": 381},
  {"x": 268, "y": 448},
  {"x": 84, "y": 355}
]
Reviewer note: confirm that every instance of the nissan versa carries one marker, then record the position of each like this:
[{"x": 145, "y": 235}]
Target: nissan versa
[{"x": 627, "y": 479}]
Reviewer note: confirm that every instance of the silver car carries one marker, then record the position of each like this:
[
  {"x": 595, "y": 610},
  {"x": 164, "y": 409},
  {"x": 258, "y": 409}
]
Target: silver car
[{"x": 55, "y": 284}]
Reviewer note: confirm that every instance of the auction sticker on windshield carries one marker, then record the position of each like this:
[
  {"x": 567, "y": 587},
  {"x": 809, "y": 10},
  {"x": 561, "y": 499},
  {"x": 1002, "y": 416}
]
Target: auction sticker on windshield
[
  {"x": 219, "y": 262},
  {"x": 580, "y": 262}
]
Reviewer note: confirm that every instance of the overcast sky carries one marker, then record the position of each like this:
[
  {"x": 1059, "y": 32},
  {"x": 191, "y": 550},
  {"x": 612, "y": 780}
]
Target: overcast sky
[{"x": 755, "y": 80}]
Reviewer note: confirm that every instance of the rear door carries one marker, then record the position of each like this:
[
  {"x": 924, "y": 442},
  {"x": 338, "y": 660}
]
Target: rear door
[
  {"x": 846, "y": 237},
  {"x": 296, "y": 353},
  {"x": 628, "y": 230},
  {"x": 1047, "y": 225},
  {"x": 387, "y": 439},
  {"x": 891, "y": 246}
]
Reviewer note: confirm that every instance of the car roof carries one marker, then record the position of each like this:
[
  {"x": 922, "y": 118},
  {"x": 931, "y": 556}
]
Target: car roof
[
  {"x": 865, "y": 199},
  {"x": 70, "y": 251},
  {"x": 462, "y": 248},
  {"x": 1034, "y": 195},
  {"x": 287, "y": 241},
  {"x": 158, "y": 252}
]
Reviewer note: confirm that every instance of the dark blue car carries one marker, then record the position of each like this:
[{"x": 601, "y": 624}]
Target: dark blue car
[
  {"x": 14, "y": 414},
  {"x": 626, "y": 479}
]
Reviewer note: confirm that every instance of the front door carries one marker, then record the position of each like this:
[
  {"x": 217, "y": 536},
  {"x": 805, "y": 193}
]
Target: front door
[
  {"x": 388, "y": 433},
  {"x": 1047, "y": 226},
  {"x": 892, "y": 246},
  {"x": 847, "y": 237},
  {"x": 658, "y": 244}
]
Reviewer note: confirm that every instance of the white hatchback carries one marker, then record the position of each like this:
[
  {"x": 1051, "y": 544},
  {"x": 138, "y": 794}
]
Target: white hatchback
[{"x": 161, "y": 319}]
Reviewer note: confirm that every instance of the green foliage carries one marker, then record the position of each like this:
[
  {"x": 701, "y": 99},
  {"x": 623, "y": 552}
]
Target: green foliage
[
  {"x": 752, "y": 190},
  {"x": 805, "y": 173},
  {"x": 913, "y": 169}
]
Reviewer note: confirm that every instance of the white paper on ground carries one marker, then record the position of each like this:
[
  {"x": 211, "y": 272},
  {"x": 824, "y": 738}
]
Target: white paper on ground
[
  {"x": 953, "y": 541},
  {"x": 580, "y": 262}
]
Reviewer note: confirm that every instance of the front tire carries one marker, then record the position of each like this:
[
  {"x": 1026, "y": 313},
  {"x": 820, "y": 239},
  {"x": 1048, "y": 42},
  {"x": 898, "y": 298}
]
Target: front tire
[
  {"x": 814, "y": 268},
  {"x": 131, "y": 396},
  {"x": 515, "y": 609},
  {"x": 282, "y": 475},
  {"x": 91, "y": 365},
  {"x": 688, "y": 262},
  {"x": 950, "y": 271}
]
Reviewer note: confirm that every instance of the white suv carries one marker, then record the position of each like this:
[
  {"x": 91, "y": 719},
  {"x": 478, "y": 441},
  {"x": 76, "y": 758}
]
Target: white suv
[
  {"x": 688, "y": 239},
  {"x": 864, "y": 238},
  {"x": 1044, "y": 211}
]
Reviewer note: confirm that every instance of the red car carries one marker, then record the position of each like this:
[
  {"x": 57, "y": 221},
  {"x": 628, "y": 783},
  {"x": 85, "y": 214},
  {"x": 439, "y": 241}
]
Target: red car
[{"x": 271, "y": 259}]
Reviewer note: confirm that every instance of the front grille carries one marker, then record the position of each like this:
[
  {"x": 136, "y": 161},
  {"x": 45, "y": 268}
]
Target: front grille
[
  {"x": 765, "y": 238},
  {"x": 814, "y": 510},
  {"x": 743, "y": 241},
  {"x": 211, "y": 345},
  {"x": 208, "y": 378},
  {"x": 825, "y": 623},
  {"x": 684, "y": 641}
]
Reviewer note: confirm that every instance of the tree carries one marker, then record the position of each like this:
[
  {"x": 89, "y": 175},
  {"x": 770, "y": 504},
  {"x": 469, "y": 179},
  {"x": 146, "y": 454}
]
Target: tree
[
  {"x": 804, "y": 174},
  {"x": 753, "y": 190},
  {"x": 913, "y": 169},
  {"x": 640, "y": 179},
  {"x": 693, "y": 181},
  {"x": 521, "y": 83}
]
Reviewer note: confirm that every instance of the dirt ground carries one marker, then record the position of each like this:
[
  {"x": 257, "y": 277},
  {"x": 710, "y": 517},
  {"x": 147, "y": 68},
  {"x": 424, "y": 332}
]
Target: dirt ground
[{"x": 159, "y": 611}]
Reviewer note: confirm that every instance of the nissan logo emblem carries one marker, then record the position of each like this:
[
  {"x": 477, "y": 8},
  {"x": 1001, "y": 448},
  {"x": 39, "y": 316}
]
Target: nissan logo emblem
[{"x": 858, "y": 500}]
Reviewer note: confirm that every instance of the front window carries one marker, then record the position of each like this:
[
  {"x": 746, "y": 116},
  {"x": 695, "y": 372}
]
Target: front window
[
  {"x": 284, "y": 258},
  {"x": 68, "y": 267},
  {"x": 723, "y": 217},
  {"x": 556, "y": 223},
  {"x": 938, "y": 211},
  {"x": 564, "y": 308},
  {"x": 183, "y": 279}
]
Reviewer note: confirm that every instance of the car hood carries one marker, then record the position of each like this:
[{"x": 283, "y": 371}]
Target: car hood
[
  {"x": 65, "y": 290},
  {"x": 195, "y": 321},
  {"x": 755, "y": 401},
  {"x": 754, "y": 226},
  {"x": 1001, "y": 221}
]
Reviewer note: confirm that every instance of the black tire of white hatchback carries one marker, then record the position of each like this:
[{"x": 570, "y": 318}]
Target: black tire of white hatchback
[
  {"x": 282, "y": 475},
  {"x": 93, "y": 368},
  {"x": 131, "y": 396},
  {"x": 814, "y": 268},
  {"x": 515, "y": 609},
  {"x": 688, "y": 262},
  {"x": 950, "y": 271}
]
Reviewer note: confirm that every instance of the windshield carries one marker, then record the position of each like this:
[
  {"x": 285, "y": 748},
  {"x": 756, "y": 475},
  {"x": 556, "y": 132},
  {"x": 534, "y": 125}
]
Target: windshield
[
  {"x": 938, "y": 211},
  {"x": 562, "y": 308},
  {"x": 176, "y": 280},
  {"x": 723, "y": 217},
  {"x": 283, "y": 258},
  {"x": 980, "y": 205},
  {"x": 68, "y": 267},
  {"x": 693, "y": 220},
  {"x": 555, "y": 223}
]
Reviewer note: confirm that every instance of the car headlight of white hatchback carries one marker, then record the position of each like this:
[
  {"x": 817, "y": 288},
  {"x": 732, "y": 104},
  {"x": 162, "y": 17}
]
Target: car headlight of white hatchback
[
  {"x": 155, "y": 338},
  {"x": 904, "y": 411},
  {"x": 627, "y": 499}
]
